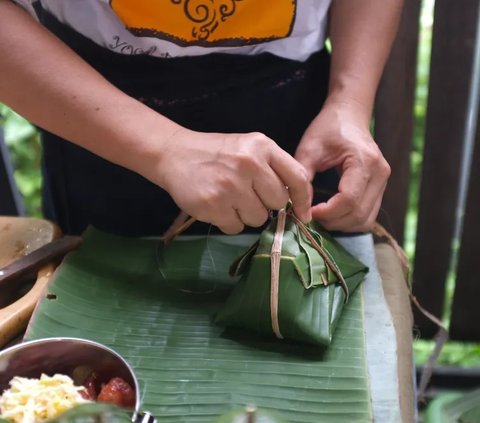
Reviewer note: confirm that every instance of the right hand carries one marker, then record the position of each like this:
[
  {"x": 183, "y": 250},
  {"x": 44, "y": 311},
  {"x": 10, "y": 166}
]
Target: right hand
[{"x": 231, "y": 180}]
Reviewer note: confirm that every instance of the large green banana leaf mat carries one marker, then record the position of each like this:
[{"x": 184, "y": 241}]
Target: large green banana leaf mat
[{"x": 120, "y": 292}]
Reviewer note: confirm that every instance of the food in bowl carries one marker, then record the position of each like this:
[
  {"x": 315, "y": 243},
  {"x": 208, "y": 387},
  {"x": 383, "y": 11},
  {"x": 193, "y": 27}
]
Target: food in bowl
[
  {"x": 62, "y": 373},
  {"x": 39, "y": 399},
  {"x": 32, "y": 400},
  {"x": 116, "y": 392}
]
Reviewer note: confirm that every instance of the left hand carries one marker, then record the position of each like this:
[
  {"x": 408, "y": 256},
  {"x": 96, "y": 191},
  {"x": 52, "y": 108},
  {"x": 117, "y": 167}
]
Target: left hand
[{"x": 339, "y": 137}]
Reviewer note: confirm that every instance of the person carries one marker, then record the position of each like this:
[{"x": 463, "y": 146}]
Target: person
[{"x": 224, "y": 109}]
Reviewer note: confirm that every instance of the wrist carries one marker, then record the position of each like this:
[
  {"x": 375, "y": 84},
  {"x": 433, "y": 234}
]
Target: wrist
[
  {"x": 352, "y": 93},
  {"x": 345, "y": 103},
  {"x": 161, "y": 153}
]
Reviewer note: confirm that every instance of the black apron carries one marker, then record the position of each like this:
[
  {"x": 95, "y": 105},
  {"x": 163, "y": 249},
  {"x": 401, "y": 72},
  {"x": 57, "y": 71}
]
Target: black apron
[{"x": 212, "y": 93}]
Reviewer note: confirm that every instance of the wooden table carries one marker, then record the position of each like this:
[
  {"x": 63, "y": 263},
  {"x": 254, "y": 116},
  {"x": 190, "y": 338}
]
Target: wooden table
[{"x": 19, "y": 236}]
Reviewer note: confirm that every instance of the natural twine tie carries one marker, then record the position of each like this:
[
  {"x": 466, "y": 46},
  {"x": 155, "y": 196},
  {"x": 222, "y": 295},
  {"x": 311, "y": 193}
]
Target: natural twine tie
[{"x": 276, "y": 254}]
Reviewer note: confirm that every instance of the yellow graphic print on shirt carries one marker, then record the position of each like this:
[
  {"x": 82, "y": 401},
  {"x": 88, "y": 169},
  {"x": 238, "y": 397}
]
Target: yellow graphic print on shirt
[{"x": 208, "y": 22}]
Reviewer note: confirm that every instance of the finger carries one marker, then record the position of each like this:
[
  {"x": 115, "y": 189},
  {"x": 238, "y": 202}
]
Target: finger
[
  {"x": 373, "y": 215},
  {"x": 353, "y": 184},
  {"x": 271, "y": 191},
  {"x": 229, "y": 222},
  {"x": 251, "y": 210},
  {"x": 295, "y": 177},
  {"x": 364, "y": 215},
  {"x": 333, "y": 209},
  {"x": 371, "y": 207},
  {"x": 350, "y": 223}
]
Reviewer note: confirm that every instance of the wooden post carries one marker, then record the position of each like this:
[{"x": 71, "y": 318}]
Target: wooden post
[
  {"x": 394, "y": 118},
  {"x": 451, "y": 63},
  {"x": 465, "y": 318}
]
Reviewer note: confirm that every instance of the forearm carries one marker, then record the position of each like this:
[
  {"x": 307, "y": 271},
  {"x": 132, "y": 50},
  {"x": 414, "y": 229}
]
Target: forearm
[
  {"x": 50, "y": 85},
  {"x": 361, "y": 32}
]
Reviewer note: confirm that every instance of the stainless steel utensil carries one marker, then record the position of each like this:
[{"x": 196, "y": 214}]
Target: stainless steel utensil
[{"x": 74, "y": 357}]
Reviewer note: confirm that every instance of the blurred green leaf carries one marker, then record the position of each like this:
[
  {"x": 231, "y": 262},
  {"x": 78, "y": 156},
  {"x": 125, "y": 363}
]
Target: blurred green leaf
[
  {"x": 17, "y": 129},
  {"x": 455, "y": 408},
  {"x": 453, "y": 353},
  {"x": 23, "y": 142},
  {"x": 94, "y": 413}
]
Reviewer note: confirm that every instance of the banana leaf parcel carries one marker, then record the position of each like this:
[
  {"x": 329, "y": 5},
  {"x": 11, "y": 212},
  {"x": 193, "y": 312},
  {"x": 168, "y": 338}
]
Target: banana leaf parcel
[{"x": 295, "y": 281}]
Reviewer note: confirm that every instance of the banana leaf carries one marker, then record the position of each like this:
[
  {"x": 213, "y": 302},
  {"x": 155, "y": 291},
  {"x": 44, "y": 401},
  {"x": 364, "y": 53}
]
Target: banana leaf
[
  {"x": 315, "y": 276},
  {"x": 454, "y": 407},
  {"x": 249, "y": 415},
  {"x": 93, "y": 413},
  {"x": 115, "y": 291},
  {"x": 90, "y": 413}
]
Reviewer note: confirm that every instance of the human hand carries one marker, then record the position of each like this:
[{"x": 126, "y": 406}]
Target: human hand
[
  {"x": 339, "y": 137},
  {"x": 231, "y": 180}
]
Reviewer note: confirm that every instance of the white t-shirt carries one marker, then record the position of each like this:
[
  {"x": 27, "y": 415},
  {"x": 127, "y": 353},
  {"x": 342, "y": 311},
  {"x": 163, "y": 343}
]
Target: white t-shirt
[{"x": 292, "y": 29}]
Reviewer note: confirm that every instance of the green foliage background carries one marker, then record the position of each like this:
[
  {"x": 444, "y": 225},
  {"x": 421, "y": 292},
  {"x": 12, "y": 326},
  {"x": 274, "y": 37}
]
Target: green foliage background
[{"x": 23, "y": 143}]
